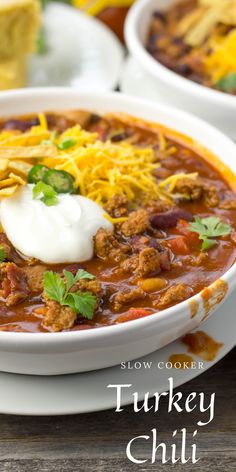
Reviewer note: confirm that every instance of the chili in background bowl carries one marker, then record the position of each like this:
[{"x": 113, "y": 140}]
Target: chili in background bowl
[
  {"x": 78, "y": 351},
  {"x": 212, "y": 105}
]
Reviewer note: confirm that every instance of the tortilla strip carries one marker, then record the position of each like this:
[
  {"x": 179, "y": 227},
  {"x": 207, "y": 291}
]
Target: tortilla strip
[
  {"x": 27, "y": 152},
  {"x": 17, "y": 178},
  {"x": 4, "y": 174},
  {"x": 211, "y": 3},
  {"x": 3, "y": 165},
  {"x": 25, "y": 139},
  {"x": 7, "y": 192},
  {"x": 20, "y": 167},
  {"x": 199, "y": 33},
  {"x": 189, "y": 21}
]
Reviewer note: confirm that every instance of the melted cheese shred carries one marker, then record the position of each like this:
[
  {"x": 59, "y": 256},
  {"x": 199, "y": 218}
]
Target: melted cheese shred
[
  {"x": 222, "y": 60},
  {"x": 102, "y": 169},
  {"x": 166, "y": 188}
]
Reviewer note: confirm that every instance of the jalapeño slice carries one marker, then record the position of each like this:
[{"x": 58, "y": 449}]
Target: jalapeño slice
[
  {"x": 37, "y": 173},
  {"x": 60, "y": 180}
]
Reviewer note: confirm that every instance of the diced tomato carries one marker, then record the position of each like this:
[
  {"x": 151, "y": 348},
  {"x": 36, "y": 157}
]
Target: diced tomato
[
  {"x": 183, "y": 228},
  {"x": 179, "y": 245},
  {"x": 132, "y": 314}
]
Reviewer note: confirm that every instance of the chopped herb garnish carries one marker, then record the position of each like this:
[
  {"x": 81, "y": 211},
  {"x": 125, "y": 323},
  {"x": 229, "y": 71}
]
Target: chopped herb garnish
[
  {"x": 58, "y": 289},
  {"x": 228, "y": 83},
  {"x": 45, "y": 193},
  {"x": 66, "y": 143},
  {"x": 3, "y": 254},
  {"x": 208, "y": 229}
]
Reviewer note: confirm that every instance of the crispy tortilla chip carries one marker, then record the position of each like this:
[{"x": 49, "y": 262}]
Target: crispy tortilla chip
[
  {"x": 17, "y": 178},
  {"x": 211, "y": 3},
  {"x": 3, "y": 164},
  {"x": 198, "y": 24},
  {"x": 7, "y": 182},
  {"x": 4, "y": 174},
  {"x": 7, "y": 192},
  {"x": 11, "y": 180},
  {"x": 27, "y": 152},
  {"x": 26, "y": 139},
  {"x": 198, "y": 34},
  {"x": 20, "y": 167},
  {"x": 189, "y": 21},
  {"x": 229, "y": 16}
]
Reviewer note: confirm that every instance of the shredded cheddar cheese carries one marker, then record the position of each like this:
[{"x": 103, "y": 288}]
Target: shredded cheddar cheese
[
  {"x": 100, "y": 169},
  {"x": 166, "y": 187},
  {"x": 43, "y": 121},
  {"x": 114, "y": 221},
  {"x": 222, "y": 60}
]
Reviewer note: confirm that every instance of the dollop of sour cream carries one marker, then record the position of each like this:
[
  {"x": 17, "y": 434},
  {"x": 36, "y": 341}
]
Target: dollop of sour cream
[{"x": 53, "y": 234}]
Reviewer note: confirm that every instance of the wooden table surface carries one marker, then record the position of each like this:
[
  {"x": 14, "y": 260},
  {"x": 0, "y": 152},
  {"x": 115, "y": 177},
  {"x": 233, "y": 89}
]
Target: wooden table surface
[{"x": 97, "y": 442}]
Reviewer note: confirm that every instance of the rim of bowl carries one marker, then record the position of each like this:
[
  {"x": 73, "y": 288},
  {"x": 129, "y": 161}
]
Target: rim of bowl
[
  {"x": 38, "y": 339},
  {"x": 154, "y": 67}
]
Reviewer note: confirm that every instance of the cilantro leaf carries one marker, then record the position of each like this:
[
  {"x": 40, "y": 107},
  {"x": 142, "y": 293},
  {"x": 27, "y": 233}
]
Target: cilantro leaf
[
  {"x": 208, "y": 243},
  {"x": 54, "y": 286},
  {"x": 45, "y": 193},
  {"x": 58, "y": 289},
  {"x": 83, "y": 274},
  {"x": 66, "y": 143},
  {"x": 82, "y": 302},
  {"x": 70, "y": 280},
  {"x": 228, "y": 83},
  {"x": 208, "y": 228},
  {"x": 3, "y": 254}
]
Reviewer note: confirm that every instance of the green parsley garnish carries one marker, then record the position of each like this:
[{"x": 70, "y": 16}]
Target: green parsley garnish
[
  {"x": 66, "y": 143},
  {"x": 208, "y": 229},
  {"x": 58, "y": 289},
  {"x": 45, "y": 193},
  {"x": 228, "y": 83},
  {"x": 3, "y": 254}
]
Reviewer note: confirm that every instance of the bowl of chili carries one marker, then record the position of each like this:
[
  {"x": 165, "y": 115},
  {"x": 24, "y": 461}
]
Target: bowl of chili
[
  {"x": 164, "y": 262},
  {"x": 191, "y": 78}
]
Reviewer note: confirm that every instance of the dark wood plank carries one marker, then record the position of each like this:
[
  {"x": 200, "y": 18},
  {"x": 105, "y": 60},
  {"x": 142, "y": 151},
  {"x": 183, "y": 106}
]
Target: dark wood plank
[{"x": 97, "y": 441}]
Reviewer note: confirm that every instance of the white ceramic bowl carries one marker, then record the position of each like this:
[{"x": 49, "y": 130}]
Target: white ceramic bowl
[
  {"x": 78, "y": 351},
  {"x": 216, "y": 107}
]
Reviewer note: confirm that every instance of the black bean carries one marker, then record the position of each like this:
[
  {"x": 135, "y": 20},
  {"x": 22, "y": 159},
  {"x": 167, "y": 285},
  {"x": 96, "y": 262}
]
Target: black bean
[
  {"x": 94, "y": 119},
  {"x": 183, "y": 69},
  {"x": 119, "y": 137},
  {"x": 160, "y": 16}
]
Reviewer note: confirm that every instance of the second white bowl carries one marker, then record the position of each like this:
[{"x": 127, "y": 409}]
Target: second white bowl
[{"x": 216, "y": 107}]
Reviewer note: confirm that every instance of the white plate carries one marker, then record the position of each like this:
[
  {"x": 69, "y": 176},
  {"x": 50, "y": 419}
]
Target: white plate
[
  {"x": 87, "y": 392},
  {"x": 79, "y": 54}
]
